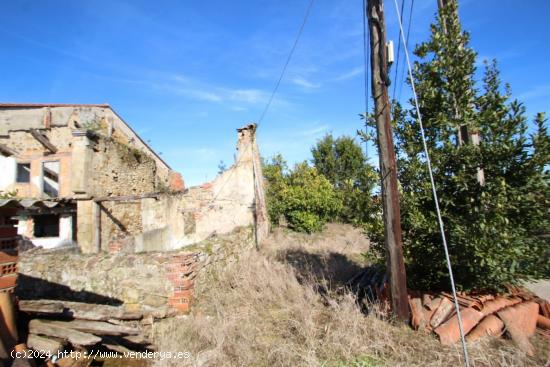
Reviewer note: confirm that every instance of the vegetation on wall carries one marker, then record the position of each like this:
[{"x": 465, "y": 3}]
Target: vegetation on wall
[{"x": 8, "y": 194}]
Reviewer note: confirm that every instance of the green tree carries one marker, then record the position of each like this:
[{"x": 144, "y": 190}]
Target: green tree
[
  {"x": 493, "y": 230},
  {"x": 275, "y": 172},
  {"x": 344, "y": 164},
  {"x": 305, "y": 198}
]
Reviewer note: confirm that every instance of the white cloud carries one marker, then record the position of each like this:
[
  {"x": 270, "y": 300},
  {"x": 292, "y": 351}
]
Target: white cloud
[
  {"x": 245, "y": 95},
  {"x": 304, "y": 83},
  {"x": 349, "y": 74},
  {"x": 313, "y": 131},
  {"x": 202, "y": 95},
  {"x": 201, "y": 91}
]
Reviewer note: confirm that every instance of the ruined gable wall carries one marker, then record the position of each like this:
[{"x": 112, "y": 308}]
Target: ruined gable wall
[
  {"x": 120, "y": 170},
  {"x": 174, "y": 221}
]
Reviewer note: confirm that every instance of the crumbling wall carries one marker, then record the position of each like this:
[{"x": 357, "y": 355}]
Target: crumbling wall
[
  {"x": 120, "y": 170},
  {"x": 171, "y": 222},
  {"x": 157, "y": 281},
  {"x": 115, "y": 170}
]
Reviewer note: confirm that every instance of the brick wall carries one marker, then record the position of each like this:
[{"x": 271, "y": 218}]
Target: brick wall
[{"x": 181, "y": 272}]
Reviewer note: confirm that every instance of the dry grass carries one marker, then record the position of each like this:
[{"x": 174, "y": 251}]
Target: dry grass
[{"x": 259, "y": 311}]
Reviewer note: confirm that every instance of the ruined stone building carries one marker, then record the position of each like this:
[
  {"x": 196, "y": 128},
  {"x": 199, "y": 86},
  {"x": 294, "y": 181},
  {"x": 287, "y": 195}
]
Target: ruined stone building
[
  {"x": 56, "y": 158},
  {"x": 79, "y": 175}
]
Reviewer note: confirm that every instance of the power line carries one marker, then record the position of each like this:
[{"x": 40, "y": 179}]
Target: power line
[
  {"x": 366, "y": 62},
  {"x": 306, "y": 16},
  {"x": 406, "y": 45},
  {"x": 398, "y": 55},
  {"x": 434, "y": 192}
]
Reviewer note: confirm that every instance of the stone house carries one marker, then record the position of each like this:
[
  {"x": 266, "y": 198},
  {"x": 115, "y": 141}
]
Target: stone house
[
  {"x": 55, "y": 158},
  {"x": 79, "y": 175}
]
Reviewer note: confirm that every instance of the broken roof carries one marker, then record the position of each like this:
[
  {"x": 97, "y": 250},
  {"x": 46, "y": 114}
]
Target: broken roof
[
  {"x": 27, "y": 118},
  {"x": 32, "y": 203}
]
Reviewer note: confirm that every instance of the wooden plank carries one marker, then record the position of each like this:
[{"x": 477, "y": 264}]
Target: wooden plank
[
  {"x": 7, "y": 151},
  {"x": 42, "y": 307},
  {"x": 98, "y": 327},
  {"x": 42, "y": 344},
  {"x": 126, "y": 198},
  {"x": 50, "y": 328},
  {"x": 9, "y": 318},
  {"x": 43, "y": 140},
  {"x": 4, "y": 352},
  {"x": 77, "y": 310}
]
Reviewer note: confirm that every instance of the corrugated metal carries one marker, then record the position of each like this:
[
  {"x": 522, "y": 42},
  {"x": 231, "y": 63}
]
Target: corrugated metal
[{"x": 29, "y": 203}]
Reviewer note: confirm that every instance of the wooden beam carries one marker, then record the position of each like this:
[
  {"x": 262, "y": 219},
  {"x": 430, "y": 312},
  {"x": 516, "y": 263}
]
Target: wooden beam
[
  {"x": 96, "y": 210},
  {"x": 126, "y": 198},
  {"x": 77, "y": 310},
  {"x": 43, "y": 140},
  {"x": 5, "y": 150},
  {"x": 97, "y": 327},
  {"x": 52, "y": 329}
]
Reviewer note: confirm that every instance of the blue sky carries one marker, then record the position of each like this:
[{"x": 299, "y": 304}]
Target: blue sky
[{"x": 186, "y": 74}]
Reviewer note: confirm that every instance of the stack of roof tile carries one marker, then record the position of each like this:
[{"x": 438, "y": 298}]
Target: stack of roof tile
[{"x": 517, "y": 313}]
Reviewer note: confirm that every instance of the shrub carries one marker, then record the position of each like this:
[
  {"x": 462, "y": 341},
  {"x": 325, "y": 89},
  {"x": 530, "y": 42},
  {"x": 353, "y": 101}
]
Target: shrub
[{"x": 305, "y": 198}]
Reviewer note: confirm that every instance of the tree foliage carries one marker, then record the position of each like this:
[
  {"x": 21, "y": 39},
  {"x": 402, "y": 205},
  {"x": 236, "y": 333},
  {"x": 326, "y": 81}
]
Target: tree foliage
[
  {"x": 305, "y": 198},
  {"x": 344, "y": 164},
  {"x": 494, "y": 230}
]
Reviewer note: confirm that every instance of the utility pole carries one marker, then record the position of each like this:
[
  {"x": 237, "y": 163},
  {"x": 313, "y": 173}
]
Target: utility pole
[
  {"x": 388, "y": 166},
  {"x": 464, "y": 136}
]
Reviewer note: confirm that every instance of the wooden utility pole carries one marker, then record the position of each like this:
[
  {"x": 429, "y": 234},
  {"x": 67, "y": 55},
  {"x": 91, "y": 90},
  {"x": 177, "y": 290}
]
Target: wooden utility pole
[
  {"x": 388, "y": 171},
  {"x": 464, "y": 135}
]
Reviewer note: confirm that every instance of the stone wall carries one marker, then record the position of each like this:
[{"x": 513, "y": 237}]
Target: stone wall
[
  {"x": 233, "y": 199},
  {"x": 114, "y": 170},
  {"x": 160, "y": 281},
  {"x": 119, "y": 170}
]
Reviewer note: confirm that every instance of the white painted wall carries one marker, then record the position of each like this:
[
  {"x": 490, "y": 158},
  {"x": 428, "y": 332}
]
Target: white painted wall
[
  {"x": 7, "y": 172},
  {"x": 65, "y": 233}
]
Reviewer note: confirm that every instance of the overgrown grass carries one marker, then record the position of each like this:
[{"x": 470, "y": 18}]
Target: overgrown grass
[{"x": 259, "y": 311}]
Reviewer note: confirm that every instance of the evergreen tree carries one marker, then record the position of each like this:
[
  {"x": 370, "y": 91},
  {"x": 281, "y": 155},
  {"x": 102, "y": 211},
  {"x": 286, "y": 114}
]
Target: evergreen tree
[
  {"x": 344, "y": 164},
  {"x": 495, "y": 230}
]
